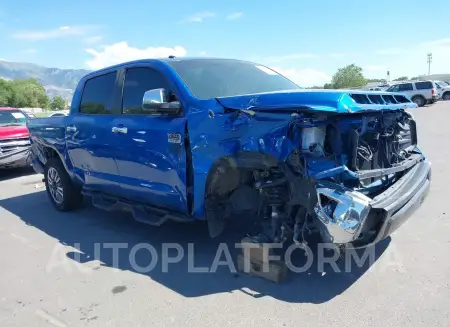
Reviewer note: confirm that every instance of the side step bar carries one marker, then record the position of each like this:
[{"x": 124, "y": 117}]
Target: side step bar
[{"x": 141, "y": 212}]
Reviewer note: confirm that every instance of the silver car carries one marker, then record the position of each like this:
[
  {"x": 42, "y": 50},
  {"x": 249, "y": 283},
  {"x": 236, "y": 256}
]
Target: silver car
[
  {"x": 443, "y": 89},
  {"x": 420, "y": 92}
]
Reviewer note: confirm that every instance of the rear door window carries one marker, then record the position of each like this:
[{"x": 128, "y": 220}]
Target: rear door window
[
  {"x": 97, "y": 98},
  {"x": 405, "y": 87},
  {"x": 424, "y": 85}
]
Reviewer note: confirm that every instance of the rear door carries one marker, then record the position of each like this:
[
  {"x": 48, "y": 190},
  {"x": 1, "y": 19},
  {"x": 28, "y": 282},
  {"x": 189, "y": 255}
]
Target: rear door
[
  {"x": 91, "y": 144},
  {"x": 152, "y": 156},
  {"x": 426, "y": 88},
  {"x": 406, "y": 88}
]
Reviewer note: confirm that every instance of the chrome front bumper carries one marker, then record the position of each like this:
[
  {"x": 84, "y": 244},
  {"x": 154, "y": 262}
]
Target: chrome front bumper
[
  {"x": 15, "y": 159},
  {"x": 351, "y": 218}
]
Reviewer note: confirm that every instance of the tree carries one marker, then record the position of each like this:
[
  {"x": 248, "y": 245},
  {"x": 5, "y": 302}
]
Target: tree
[
  {"x": 5, "y": 92},
  {"x": 349, "y": 76},
  {"x": 402, "y": 78},
  {"x": 58, "y": 103},
  {"x": 27, "y": 93}
]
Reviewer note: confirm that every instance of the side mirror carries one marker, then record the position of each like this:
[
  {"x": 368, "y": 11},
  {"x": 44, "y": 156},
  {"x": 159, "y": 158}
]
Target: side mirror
[{"x": 157, "y": 101}]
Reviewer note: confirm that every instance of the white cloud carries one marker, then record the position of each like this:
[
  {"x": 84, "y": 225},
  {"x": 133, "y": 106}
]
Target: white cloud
[
  {"x": 63, "y": 31},
  {"x": 292, "y": 56},
  {"x": 436, "y": 43},
  {"x": 235, "y": 15},
  {"x": 304, "y": 77},
  {"x": 412, "y": 60},
  {"x": 202, "y": 53},
  {"x": 198, "y": 17},
  {"x": 337, "y": 55},
  {"x": 29, "y": 51},
  {"x": 121, "y": 52},
  {"x": 374, "y": 68},
  {"x": 93, "y": 39},
  {"x": 389, "y": 52}
]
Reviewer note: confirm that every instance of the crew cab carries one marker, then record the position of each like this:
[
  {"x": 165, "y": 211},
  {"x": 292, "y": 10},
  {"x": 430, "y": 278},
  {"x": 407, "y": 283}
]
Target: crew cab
[
  {"x": 14, "y": 138},
  {"x": 218, "y": 139}
]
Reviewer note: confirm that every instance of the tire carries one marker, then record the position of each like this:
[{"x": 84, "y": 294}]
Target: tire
[
  {"x": 446, "y": 96},
  {"x": 419, "y": 100},
  {"x": 63, "y": 194}
]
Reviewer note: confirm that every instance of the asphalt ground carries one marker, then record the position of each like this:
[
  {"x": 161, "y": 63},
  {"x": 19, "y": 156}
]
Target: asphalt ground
[{"x": 59, "y": 269}]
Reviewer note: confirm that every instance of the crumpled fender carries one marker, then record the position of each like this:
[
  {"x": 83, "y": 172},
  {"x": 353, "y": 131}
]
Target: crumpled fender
[{"x": 219, "y": 133}]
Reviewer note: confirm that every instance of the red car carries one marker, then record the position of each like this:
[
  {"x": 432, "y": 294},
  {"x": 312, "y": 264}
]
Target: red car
[{"x": 14, "y": 138}]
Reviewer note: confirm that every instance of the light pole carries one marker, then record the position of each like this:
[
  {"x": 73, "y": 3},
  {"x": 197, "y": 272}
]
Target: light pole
[{"x": 429, "y": 58}]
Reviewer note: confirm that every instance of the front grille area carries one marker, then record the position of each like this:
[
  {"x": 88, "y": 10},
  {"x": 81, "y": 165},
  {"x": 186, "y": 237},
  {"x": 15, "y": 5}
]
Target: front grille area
[{"x": 13, "y": 145}]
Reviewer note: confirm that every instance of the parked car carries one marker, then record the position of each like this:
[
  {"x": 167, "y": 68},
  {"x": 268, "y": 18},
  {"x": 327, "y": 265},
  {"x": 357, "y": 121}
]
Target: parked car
[
  {"x": 14, "y": 138},
  {"x": 443, "y": 90},
  {"x": 420, "y": 92},
  {"x": 59, "y": 113},
  {"x": 218, "y": 139}
]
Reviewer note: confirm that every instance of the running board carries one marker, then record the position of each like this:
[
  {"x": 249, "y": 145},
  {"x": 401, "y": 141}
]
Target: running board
[{"x": 141, "y": 212}]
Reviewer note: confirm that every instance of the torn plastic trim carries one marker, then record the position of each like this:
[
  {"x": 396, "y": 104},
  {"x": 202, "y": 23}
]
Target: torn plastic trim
[
  {"x": 406, "y": 164},
  {"x": 364, "y": 174},
  {"x": 341, "y": 212},
  {"x": 336, "y": 171}
]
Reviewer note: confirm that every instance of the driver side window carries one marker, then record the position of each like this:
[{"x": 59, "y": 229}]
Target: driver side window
[
  {"x": 393, "y": 88},
  {"x": 137, "y": 81}
]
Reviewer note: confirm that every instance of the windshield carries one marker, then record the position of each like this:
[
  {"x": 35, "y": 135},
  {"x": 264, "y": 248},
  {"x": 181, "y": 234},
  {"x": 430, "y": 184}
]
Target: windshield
[
  {"x": 442, "y": 84},
  {"x": 213, "y": 78},
  {"x": 12, "y": 118}
]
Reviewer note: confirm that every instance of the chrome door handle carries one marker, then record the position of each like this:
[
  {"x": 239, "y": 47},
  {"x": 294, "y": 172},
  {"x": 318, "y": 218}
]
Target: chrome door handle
[
  {"x": 121, "y": 130},
  {"x": 72, "y": 129}
]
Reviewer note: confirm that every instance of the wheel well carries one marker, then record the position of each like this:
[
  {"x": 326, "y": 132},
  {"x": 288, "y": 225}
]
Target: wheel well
[
  {"x": 50, "y": 153},
  {"x": 229, "y": 187},
  {"x": 227, "y": 173}
]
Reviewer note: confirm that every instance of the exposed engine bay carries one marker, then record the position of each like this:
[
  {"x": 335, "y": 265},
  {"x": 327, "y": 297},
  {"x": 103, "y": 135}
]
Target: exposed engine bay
[{"x": 326, "y": 185}]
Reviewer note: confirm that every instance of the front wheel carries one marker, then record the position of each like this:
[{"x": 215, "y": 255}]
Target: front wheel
[
  {"x": 63, "y": 194},
  {"x": 446, "y": 96}
]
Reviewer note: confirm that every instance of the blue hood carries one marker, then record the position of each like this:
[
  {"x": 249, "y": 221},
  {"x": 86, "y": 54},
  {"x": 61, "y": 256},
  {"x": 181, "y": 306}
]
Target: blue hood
[{"x": 331, "y": 101}]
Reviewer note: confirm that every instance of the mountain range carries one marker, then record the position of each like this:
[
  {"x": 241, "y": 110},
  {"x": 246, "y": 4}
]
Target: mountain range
[{"x": 56, "y": 81}]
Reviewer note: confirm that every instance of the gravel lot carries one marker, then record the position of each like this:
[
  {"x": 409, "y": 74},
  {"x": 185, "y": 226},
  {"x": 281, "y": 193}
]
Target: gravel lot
[{"x": 46, "y": 281}]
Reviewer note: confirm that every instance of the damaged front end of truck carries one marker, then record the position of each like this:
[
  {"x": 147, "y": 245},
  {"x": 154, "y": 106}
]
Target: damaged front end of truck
[{"x": 343, "y": 164}]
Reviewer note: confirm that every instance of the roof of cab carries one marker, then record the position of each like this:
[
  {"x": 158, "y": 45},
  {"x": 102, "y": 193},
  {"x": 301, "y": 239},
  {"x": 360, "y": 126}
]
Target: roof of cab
[{"x": 153, "y": 60}]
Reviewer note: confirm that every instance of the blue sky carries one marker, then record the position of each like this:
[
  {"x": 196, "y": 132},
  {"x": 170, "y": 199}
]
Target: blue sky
[{"x": 305, "y": 40}]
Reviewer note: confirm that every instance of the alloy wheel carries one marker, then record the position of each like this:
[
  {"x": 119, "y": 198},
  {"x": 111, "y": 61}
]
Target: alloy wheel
[{"x": 55, "y": 185}]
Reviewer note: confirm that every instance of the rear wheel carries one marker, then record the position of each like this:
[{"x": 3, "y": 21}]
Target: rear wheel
[
  {"x": 420, "y": 101},
  {"x": 63, "y": 194},
  {"x": 446, "y": 96}
]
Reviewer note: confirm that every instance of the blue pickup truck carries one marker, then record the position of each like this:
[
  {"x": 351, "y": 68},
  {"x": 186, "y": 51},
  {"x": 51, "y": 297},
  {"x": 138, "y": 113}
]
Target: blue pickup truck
[{"x": 188, "y": 139}]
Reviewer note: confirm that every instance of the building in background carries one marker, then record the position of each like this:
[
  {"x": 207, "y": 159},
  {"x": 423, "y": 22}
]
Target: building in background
[{"x": 436, "y": 77}]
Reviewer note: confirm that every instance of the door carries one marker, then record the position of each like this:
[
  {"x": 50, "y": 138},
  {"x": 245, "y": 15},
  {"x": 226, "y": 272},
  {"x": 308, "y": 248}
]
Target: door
[
  {"x": 152, "y": 157},
  {"x": 90, "y": 142},
  {"x": 426, "y": 88}
]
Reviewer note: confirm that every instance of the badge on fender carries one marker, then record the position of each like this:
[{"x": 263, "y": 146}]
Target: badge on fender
[{"x": 174, "y": 138}]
